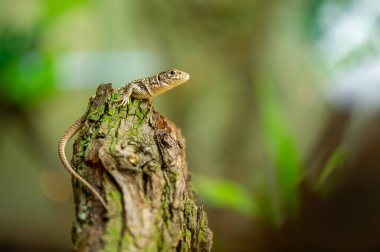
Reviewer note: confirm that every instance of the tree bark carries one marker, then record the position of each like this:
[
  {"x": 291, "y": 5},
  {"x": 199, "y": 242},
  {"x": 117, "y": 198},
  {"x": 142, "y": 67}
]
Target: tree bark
[{"x": 135, "y": 157}]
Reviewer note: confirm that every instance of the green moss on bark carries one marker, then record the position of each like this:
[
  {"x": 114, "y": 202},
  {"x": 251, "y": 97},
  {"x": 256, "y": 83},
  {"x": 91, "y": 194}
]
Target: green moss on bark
[{"x": 136, "y": 159}]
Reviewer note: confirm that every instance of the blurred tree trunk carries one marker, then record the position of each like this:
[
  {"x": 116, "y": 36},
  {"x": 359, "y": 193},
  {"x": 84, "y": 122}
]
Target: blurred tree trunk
[{"x": 135, "y": 157}]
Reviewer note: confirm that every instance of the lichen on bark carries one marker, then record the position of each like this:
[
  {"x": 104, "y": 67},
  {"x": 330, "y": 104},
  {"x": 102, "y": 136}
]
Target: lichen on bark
[{"x": 135, "y": 157}]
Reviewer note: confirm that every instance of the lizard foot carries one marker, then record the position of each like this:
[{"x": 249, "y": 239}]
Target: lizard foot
[{"x": 124, "y": 101}]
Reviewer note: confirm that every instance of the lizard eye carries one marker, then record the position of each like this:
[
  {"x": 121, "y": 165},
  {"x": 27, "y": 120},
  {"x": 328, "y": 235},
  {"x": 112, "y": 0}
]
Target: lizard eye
[{"x": 172, "y": 72}]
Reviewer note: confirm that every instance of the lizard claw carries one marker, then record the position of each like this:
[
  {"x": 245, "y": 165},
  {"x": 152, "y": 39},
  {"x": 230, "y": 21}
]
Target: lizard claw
[{"x": 124, "y": 101}]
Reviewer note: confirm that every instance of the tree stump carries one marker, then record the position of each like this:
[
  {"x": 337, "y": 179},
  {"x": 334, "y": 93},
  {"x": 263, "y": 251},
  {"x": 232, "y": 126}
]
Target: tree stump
[{"x": 135, "y": 158}]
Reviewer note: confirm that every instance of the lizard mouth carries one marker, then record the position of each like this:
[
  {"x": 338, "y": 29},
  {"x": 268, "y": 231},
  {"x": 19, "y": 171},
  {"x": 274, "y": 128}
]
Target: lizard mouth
[{"x": 186, "y": 76}]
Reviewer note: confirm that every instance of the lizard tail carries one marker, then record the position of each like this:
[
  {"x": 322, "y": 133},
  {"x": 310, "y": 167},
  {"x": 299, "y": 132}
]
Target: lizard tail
[{"x": 61, "y": 152}]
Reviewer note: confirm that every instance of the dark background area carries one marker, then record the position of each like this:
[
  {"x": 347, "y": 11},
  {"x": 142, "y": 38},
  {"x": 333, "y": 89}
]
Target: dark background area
[{"x": 280, "y": 115}]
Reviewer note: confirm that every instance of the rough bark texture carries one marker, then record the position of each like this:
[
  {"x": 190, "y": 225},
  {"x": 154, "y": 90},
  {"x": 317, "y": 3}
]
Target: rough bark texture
[{"x": 135, "y": 157}]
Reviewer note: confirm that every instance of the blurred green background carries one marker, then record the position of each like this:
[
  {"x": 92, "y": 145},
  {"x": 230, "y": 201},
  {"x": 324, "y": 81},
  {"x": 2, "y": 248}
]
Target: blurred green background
[{"x": 280, "y": 115}]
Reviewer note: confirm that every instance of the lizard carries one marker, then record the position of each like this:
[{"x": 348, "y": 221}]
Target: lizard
[{"x": 141, "y": 89}]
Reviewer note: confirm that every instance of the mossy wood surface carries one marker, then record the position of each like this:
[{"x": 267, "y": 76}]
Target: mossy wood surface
[{"x": 135, "y": 157}]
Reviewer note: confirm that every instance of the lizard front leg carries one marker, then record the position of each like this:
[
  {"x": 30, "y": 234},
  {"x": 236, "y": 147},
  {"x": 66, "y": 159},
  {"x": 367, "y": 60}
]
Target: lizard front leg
[{"x": 128, "y": 90}]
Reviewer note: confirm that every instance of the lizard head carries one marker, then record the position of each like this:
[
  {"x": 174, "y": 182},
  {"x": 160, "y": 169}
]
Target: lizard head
[{"x": 169, "y": 79}]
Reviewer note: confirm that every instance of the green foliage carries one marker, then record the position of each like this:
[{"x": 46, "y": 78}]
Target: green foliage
[
  {"x": 355, "y": 55},
  {"x": 26, "y": 69},
  {"x": 310, "y": 23},
  {"x": 26, "y": 74},
  {"x": 339, "y": 156},
  {"x": 280, "y": 147},
  {"x": 55, "y": 8},
  {"x": 225, "y": 194}
]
